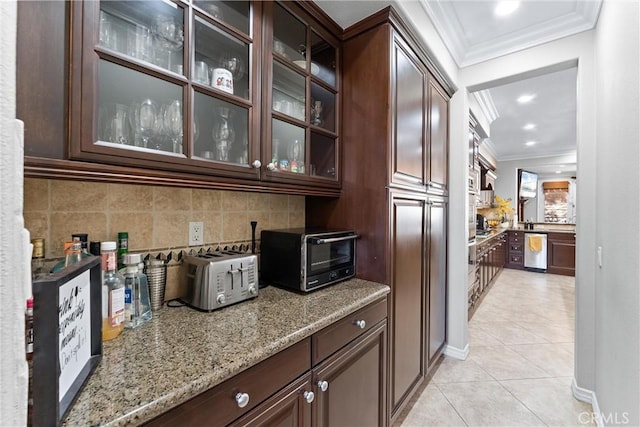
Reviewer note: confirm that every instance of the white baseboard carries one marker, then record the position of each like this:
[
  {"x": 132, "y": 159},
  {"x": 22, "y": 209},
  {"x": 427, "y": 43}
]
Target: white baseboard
[
  {"x": 588, "y": 396},
  {"x": 457, "y": 353}
]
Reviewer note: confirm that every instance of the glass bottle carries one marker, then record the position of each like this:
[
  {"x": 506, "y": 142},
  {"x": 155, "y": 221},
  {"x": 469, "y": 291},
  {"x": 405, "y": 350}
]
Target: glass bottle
[
  {"x": 137, "y": 306},
  {"x": 37, "y": 257},
  {"x": 123, "y": 246},
  {"x": 73, "y": 255},
  {"x": 112, "y": 293}
]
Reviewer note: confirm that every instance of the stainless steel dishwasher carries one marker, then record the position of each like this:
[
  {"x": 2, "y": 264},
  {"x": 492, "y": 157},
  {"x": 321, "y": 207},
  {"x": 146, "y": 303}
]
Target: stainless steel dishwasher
[{"x": 535, "y": 251}]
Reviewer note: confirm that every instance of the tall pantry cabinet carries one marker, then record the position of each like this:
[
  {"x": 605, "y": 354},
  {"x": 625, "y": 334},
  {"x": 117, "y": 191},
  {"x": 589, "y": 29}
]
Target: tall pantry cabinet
[{"x": 394, "y": 190}]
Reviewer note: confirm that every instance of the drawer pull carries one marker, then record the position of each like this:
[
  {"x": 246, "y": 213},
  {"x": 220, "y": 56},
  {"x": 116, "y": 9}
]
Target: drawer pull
[
  {"x": 360, "y": 324},
  {"x": 242, "y": 399},
  {"x": 308, "y": 396},
  {"x": 323, "y": 385}
]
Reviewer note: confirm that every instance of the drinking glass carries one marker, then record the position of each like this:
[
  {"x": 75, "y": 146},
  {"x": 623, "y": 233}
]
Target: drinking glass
[
  {"x": 118, "y": 129},
  {"x": 173, "y": 124},
  {"x": 201, "y": 72},
  {"x": 223, "y": 133},
  {"x": 143, "y": 119},
  {"x": 316, "y": 113},
  {"x": 139, "y": 42}
]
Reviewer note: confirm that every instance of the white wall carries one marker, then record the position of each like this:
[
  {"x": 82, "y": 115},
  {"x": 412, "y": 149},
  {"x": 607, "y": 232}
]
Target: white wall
[
  {"x": 577, "y": 49},
  {"x": 13, "y": 237},
  {"x": 617, "y": 308}
]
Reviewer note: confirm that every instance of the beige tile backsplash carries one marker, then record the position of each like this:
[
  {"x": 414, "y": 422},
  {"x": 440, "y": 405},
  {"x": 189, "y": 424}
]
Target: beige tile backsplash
[{"x": 156, "y": 218}]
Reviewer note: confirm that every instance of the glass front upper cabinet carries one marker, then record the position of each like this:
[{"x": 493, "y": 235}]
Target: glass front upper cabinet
[
  {"x": 175, "y": 82},
  {"x": 303, "y": 134}
]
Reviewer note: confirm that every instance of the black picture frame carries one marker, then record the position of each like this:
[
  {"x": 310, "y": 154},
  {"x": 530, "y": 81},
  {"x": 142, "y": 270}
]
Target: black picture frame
[{"x": 49, "y": 405}]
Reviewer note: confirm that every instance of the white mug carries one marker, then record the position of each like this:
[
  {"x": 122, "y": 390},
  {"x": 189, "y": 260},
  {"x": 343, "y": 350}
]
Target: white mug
[{"x": 222, "y": 79}]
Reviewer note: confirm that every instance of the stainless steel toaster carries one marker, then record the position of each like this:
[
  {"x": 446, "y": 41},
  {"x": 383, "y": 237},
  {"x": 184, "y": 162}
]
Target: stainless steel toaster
[{"x": 217, "y": 279}]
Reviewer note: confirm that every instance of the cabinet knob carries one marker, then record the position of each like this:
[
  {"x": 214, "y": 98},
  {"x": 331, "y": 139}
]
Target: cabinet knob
[
  {"x": 308, "y": 396},
  {"x": 256, "y": 164},
  {"x": 323, "y": 385},
  {"x": 360, "y": 324},
  {"x": 242, "y": 399},
  {"x": 272, "y": 166}
]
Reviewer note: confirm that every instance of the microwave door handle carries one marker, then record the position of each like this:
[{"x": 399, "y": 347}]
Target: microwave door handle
[{"x": 317, "y": 241}]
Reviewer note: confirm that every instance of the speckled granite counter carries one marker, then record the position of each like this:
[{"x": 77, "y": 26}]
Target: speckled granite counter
[{"x": 183, "y": 352}]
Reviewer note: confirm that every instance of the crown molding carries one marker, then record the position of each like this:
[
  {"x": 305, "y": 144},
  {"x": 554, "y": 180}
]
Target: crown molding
[
  {"x": 485, "y": 101},
  {"x": 542, "y": 156},
  {"x": 448, "y": 27},
  {"x": 444, "y": 18},
  {"x": 487, "y": 145}
]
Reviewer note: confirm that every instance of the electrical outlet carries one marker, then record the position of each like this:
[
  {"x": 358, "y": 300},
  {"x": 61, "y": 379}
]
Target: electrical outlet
[{"x": 196, "y": 233}]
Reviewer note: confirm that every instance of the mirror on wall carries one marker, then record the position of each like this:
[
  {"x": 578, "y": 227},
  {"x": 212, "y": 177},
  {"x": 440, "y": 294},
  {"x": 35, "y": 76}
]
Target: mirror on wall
[{"x": 546, "y": 198}]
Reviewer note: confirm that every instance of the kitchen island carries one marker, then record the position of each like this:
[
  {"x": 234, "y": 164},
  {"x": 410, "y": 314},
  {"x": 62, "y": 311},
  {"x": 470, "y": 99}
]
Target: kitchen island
[{"x": 181, "y": 353}]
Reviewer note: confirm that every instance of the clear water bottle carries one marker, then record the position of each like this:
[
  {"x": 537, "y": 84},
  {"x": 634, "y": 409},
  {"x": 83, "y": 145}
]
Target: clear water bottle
[{"x": 137, "y": 306}]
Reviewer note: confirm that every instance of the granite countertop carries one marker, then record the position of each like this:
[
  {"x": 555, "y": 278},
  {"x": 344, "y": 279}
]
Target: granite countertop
[{"x": 183, "y": 352}]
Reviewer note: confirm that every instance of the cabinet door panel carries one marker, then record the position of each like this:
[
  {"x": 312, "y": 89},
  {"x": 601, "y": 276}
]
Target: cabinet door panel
[
  {"x": 285, "y": 409},
  {"x": 407, "y": 296},
  {"x": 438, "y": 137},
  {"x": 437, "y": 250},
  {"x": 356, "y": 381},
  {"x": 408, "y": 109}
]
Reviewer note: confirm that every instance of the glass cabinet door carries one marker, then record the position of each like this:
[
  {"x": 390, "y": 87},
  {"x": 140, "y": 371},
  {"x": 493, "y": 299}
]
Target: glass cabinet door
[
  {"x": 171, "y": 79},
  {"x": 137, "y": 111},
  {"x": 303, "y": 101},
  {"x": 148, "y": 31}
]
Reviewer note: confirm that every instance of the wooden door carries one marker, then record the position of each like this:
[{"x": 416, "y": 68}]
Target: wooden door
[
  {"x": 438, "y": 159},
  {"x": 288, "y": 408},
  {"x": 354, "y": 383},
  {"x": 408, "y": 106},
  {"x": 437, "y": 276},
  {"x": 407, "y": 296}
]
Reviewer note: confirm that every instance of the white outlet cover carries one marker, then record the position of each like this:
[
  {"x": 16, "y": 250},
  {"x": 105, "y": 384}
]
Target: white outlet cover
[{"x": 196, "y": 233}]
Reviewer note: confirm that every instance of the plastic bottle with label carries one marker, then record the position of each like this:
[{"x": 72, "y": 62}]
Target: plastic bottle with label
[
  {"x": 137, "y": 305},
  {"x": 112, "y": 293}
]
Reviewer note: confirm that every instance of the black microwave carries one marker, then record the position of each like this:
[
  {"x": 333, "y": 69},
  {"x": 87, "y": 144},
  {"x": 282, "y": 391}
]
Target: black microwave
[{"x": 304, "y": 259}]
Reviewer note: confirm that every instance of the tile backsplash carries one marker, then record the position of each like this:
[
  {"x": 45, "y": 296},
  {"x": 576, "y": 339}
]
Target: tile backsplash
[{"x": 156, "y": 218}]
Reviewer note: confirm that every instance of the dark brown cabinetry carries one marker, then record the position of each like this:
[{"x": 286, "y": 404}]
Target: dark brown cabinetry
[
  {"x": 408, "y": 334},
  {"x": 185, "y": 93},
  {"x": 437, "y": 275},
  {"x": 561, "y": 253},
  {"x": 338, "y": 376},
  {"x": 395, "y": 133},
  {"x": 490, "y": 260},
  {"x": 515, "y": 250}
]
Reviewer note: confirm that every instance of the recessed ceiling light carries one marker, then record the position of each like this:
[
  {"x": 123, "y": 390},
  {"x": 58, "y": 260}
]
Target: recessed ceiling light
[
  {"x": 529, "y": 126},
  {"x": 523, "y": 99},
  {"x": 505, "y": 8},
  {"x": 530, "y": 143},
  {"x": 558, "y": 171},
  {"x": 560, "y": 166}
]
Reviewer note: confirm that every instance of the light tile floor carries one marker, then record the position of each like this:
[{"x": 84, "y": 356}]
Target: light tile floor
[{"x": 520, "y": 365}]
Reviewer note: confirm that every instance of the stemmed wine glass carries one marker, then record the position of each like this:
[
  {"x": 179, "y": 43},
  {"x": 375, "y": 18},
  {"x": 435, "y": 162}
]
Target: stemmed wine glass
[
  {"x": 143, "y": 119},
  {"x": 173, "y": 124},
  {"x": 223, "y": 133}
]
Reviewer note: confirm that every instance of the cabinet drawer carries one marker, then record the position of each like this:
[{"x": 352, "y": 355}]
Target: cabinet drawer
[
  {"x": 339, "y": 334},
  {"x": 516, "y": 236},
  {"x": 515, "y": 259},
  {"x": 516, "y": 247},
  {"x": 258, "y": 382}
]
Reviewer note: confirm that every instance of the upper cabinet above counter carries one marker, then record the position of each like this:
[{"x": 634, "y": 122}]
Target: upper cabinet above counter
[{"x": 220, "y": 94}]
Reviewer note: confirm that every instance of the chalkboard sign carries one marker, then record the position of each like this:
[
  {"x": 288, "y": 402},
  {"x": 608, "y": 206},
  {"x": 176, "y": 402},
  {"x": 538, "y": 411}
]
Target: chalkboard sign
[{"x": 67, "y": 334}]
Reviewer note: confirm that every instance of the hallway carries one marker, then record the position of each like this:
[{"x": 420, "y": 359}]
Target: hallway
[{"x": 520, "y": 366}]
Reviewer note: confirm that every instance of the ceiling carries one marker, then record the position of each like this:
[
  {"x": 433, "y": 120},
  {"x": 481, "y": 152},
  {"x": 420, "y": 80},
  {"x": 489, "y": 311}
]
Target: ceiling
[{"x": 472, "y": 34}]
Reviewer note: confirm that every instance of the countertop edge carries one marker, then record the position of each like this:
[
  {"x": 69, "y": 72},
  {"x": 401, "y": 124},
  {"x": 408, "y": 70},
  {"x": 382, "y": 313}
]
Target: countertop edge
[{"x": 157, "y": 407}]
